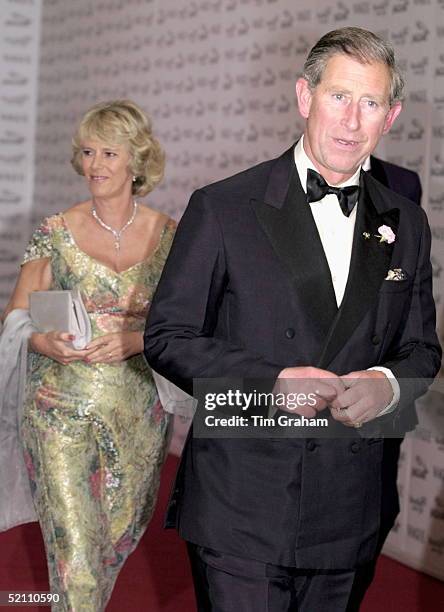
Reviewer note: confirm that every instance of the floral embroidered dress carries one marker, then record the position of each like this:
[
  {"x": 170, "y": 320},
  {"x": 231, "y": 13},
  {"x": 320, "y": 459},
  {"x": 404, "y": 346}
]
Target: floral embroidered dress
[{"x": 94, "y": 434}]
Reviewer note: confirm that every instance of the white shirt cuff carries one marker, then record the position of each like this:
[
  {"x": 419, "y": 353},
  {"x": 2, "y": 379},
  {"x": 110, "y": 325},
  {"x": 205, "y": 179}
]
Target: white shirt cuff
[{"x": 395, "y": 388}]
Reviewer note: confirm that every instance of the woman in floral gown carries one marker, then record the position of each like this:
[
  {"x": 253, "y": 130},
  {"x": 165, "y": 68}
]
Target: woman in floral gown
[{"x": 94, "y": 431}]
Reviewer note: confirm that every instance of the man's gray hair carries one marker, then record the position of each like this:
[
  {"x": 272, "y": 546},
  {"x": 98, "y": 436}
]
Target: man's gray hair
[{"x": 363, "y": 46}]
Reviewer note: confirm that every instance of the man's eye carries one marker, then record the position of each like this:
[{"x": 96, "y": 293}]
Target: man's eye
[
  {"x": 372, "y": 104},
  {"x": 338, "y": 96}
]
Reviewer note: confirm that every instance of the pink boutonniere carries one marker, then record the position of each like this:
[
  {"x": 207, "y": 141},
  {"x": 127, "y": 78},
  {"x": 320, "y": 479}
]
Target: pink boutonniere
[{"x": 386, "y": 234}]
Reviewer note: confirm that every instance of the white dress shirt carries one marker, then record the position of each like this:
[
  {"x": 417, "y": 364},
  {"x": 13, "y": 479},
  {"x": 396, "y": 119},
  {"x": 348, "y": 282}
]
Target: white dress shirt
[{"x": 336, "y": 234}]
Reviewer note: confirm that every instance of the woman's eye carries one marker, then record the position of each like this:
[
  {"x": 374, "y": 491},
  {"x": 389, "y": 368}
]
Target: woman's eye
[{"x": 86, "y": 152}]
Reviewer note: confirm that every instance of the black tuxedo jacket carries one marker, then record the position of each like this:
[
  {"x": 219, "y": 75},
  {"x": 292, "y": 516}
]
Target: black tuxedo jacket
[
  {"x": 398, "y": 179},
  {"x": 247, "y": 291}
]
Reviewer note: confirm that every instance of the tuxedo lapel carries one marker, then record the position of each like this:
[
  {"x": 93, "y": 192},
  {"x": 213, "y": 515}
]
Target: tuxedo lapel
[
  {"x": 287, "y": 221},
  {"x": 378, "y": 172},
  {"x": 370, "y": 262}
]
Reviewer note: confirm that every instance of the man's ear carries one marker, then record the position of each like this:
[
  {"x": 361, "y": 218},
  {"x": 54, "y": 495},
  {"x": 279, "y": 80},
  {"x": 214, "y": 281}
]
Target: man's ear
[
  {"x": 304, "y": 96},
  {"x": 391, "y": 116}
]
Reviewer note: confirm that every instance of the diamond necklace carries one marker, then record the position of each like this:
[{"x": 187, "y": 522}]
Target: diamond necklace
[{"x": 116, "y": 233}]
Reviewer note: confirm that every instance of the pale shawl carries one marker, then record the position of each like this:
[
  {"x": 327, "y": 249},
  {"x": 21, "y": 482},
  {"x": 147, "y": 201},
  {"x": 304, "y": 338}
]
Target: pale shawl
[
  {"x": 173, "y": 399},
  {"x": 16, "y": 505}
]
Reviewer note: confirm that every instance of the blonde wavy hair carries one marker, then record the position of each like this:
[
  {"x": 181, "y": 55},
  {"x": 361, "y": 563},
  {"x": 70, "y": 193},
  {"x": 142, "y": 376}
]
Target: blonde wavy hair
[{"x": 123, "y": 122}]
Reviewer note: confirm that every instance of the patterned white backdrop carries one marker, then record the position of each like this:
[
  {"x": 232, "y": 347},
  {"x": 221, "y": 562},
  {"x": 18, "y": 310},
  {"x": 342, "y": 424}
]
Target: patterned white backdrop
[
  {"x": 217, "y": 77},
  {"x": 19, "y": 45}
]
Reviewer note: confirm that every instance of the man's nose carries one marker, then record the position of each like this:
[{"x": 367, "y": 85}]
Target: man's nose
[{"x": 352, "y": 117}]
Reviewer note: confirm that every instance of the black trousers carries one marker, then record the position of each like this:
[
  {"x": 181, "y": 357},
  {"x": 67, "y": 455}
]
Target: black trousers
[
  {"x": 365, "y": 574},
  {"x": 224, "y": 583}
]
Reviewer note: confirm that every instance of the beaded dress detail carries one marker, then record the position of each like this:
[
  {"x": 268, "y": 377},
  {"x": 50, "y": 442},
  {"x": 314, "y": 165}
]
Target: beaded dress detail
[{"x": 94, "y": 434}]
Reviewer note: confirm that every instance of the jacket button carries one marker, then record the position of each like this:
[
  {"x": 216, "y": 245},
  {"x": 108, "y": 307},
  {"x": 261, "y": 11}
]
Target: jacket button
[
  {"x": 289, "y": 333},
  {"x": 355, "y": 447},
  {"x": 376, "y": 339},
  {"x": 311, "y": 445}
]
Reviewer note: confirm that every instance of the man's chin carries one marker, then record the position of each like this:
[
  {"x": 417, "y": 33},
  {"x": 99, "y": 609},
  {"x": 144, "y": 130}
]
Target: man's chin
[
  {"x": 343, "y": 169},
  {"x": 334, "y": 175}
]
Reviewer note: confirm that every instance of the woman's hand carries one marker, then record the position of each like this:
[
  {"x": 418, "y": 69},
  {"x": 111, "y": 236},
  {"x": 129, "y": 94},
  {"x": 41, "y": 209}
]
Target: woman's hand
[
  {"x": 56, "y": 345},
  {"x": 112, "y": 348}
]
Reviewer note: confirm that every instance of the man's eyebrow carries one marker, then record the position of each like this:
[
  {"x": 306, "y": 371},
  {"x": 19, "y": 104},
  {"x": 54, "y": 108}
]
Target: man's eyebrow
[
  {"x": 338, "y": 88},
  {"x": 373, "y": 96}
]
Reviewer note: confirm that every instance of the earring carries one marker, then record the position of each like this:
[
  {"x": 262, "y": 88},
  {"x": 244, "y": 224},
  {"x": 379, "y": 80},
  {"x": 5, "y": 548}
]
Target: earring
[{"x": 134, "y": 179}]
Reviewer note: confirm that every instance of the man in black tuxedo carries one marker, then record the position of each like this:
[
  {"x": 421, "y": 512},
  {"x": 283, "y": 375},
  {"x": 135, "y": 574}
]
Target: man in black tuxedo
[{"x": 303, "y": 271}]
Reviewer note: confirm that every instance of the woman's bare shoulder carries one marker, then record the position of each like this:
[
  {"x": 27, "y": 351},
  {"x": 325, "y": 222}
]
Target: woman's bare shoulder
[
  {"x": 78, "y": 211},
  {"x": 155, "y": 217}
]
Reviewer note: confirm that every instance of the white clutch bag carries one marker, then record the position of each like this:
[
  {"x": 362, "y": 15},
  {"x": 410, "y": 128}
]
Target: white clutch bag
[{"x": 61, "y": 311}]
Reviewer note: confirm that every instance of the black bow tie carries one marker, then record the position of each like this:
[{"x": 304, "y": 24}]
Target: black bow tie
[{"x": 317, "y": 188}]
